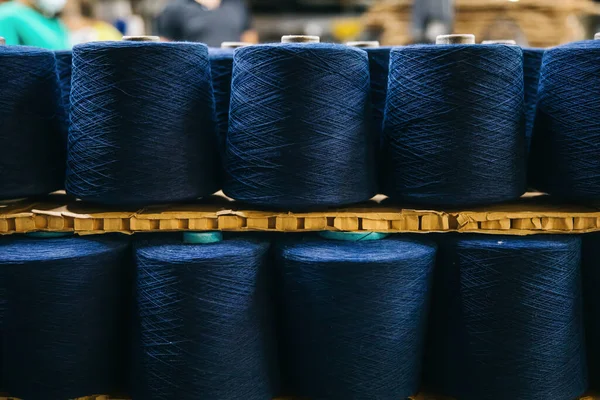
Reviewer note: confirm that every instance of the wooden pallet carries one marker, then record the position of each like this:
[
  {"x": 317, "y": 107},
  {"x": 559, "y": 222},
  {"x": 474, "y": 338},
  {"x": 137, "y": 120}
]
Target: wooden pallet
[{"x": 532, "y": 214}]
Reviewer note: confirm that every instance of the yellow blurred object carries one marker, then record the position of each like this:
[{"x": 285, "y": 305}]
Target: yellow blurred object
[
  {"x": 347, "y": 29},
  {"x": 540, "y": 23}
]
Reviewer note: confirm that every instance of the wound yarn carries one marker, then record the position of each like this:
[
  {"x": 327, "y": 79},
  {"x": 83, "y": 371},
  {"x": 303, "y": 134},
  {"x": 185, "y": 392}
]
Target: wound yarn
[
  {"x": 353, "y": 317},
  {"x": 66, "y": 321},
  {"x": 205, "y": 326},
  {"x": 33, "y": 151},
  {"x": 64, "y": 60},
  {"x": 298, "y": 126},
  {"x": 564, "y": 158},
  {"x": 506, "y": 319},
  {"x": 454, "y": 132},
  {"x": 532, "y": 63},
  {"x": 143, "y": 128}
]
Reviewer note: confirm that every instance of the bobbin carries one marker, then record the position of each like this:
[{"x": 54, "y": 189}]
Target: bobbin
[
  {"x": 353, "y": 236},
  {"x": 202, "y": 237},
  {"x": 504, "y": 41},
  {"x": 455, "y": 39},
  {"x": 234, "y": 45},
  {"x": 2, "y": 41},
  {"x": 364, "y": 44},
  {"x": 597, "y": 36},
  {"x": 141, "y": 38},
  {"x": 300, "y": 39}
]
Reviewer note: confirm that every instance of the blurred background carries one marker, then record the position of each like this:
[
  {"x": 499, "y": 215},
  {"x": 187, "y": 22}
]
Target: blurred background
[{"x": 63, "y": 23}]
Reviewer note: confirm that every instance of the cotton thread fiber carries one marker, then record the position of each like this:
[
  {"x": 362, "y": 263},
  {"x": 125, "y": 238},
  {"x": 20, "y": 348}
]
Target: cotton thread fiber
[
  {"x": 354, "y": 316},
  {"x": 454, "y": 132},
  {"x": 143, "y": 128},
  {"x": 506, "y": 319},
  {"x": 33, "y": 151},
  {"x": 66, "y": 320},
  {"x": 564, "y": 157},
  {"x": 298, "y": 128},
  {"x": 64, "y": 60},
  {"x": 204, "y": 326}
]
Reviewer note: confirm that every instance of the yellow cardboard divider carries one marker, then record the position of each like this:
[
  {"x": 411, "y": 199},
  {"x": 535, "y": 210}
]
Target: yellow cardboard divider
[{"x": 530, "y": 215}]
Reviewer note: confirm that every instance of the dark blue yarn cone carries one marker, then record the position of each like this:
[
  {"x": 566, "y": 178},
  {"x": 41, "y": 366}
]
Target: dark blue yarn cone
[
  {"x": 298, "y": 126},
  {"x": 454, "y": 130},
  {"x": 64, "y": 60},
  {"x": 591, "y": 303},
  {"x": 143, "y": 128},
  {"x": 66, "y": 321},
  {"x": 353, "y": 317},
  {"x": 532, "y": 63},
  {"x": 33, "y": 151},
  {"x": 506, "y": 319},
  {"x": 205, "y": 325},
  {"x": 564, "y": 158}
]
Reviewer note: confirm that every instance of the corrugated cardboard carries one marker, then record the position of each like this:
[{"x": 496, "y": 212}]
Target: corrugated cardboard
[{"x": 532, "y": 214}]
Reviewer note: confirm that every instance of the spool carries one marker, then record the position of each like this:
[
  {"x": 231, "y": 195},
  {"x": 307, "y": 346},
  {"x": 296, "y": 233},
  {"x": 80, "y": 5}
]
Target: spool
[
  {"x": 234, "y": 45},
  {"x": 2, "y": 41},
  {"x": 205, "y": 328},
  {"x": 67, "y": 316},
  {"x": 505, "y": 41},
  {"x": 353, "y": 236},
  {"x": 337, "y": 323},
  {"x": 33, "y": 154},
  {"x": 298, "y": 133},
  {"x": 565, "y": 141},
  {"x": 142, "y": 123},
  {"x": 367, "y": 44},
  {"x": 500, "y": 302},
  {"x": 141, "y": 38},
  {"x": 455, "y": 39},
  {"x": 48, "y": 235},
  {"x": 300, "y": 39},
  {"x": 202, "y": 237},
  {"x": 446, "y": 141},
  {"x": 597, "y": 36}
]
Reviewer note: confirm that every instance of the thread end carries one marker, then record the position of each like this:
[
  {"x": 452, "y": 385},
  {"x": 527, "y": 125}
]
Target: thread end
[
  {"x": 507, "y": 42},
  {"x": 234, "y": 45},
  {"x": 353, "y": 236},
  {"x": 141, "y": 39},
  {"x": 202, "y": 237},
  {"x": 364, "y": 44},
  {"x": 455, "y": 39},
  {"x": 300, "y": 39}
]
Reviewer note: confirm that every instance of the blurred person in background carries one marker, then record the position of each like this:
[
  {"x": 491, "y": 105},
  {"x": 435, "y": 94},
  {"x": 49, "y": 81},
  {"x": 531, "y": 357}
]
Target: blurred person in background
[
  {"x": 432, "y": 18},
  {"x": 80, "y": 18},
  {"x": 34, "y": 23},
  {"x": 206, "y": 21}
]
